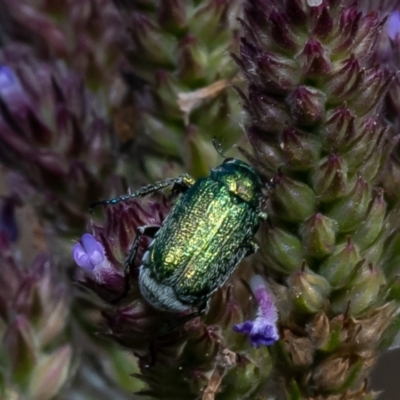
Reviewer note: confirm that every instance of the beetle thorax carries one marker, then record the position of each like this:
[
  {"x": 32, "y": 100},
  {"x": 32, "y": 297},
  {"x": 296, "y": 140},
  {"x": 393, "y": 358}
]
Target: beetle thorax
[{"x": 240, "y": 178}]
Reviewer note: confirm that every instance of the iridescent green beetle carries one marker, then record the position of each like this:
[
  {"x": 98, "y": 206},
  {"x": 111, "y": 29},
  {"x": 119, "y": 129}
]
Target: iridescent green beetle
[{"x": 205, "y": 235}]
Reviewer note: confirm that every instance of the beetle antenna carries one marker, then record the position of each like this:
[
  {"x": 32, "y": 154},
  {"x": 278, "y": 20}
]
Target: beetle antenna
[{"x": 218, "y": 147}]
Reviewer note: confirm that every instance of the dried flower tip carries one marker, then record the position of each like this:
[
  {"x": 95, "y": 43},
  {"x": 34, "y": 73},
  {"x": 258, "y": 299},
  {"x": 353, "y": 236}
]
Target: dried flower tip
[
  {"x": 90, "y": 254},
  {"x": 262, "y": 330}
]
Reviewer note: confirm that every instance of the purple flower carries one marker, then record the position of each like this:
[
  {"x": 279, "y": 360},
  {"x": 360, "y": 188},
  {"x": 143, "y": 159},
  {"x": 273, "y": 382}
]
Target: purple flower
[
  {"x": 102, "y": 276},
  {"x": 89, "y": 254},
  {"x": 393, "y": 24},
  {"x": 9, "y": 82},
  {"x": 262, "y": 330}
]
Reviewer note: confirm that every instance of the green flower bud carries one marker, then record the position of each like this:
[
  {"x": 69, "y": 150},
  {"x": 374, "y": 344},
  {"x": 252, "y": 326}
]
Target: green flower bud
[
  {"x": 50, "y": 374},
  {"x": 164, "y": 137},
  {"x": 391, "y": 256},
  {"x": 314, "y": 60},
  {"x": 239, "y": 381},
  {"x": 200, "y": 155},
  {"x": 343, "y": 80},
  {"x": 217, "y": 17},
  {"x": 308, "y": 291},
  {"x": 374, "y": 83},
  {"x": 367, "y": 139},
  {"x": 393, "y": 292},
  {"x": 294, "y": 391},
  {"x": 318, "y": 235},
  {"x": 338, "y": 127},
  {"x": 370, "y": 228},
  {"x": 336, "y": 336},
  {"x": 277, "y": 73},
  {"x": 280, "y": 249},
  {"x": 301, "y": 150},
  {"x": 156, "y": 48},
  {"x": 391, "y": 183},
  {"x": 373, "y": 254},
  {"x": 349, "y": 211},
  {"x": 307, "y": 106},
  {"x": 371, "y": 166},
  {"x": 202, "y": 344},
  {"x": 360, "y": 292},
  {"x": 166, "y": 96},
  {"x": 329, "y": 178},
  {"x": 338, "y": 267},
  {"x": 191, "y": 68},
  {"x": 171, "y": 15},
  {"x": 268, "y": 153},
  {"x": 268, "y": 114},
  {"x": 20, "y": 345},
  {"x": 291, "y": 200},
  {"x": 52, "y": 323}
]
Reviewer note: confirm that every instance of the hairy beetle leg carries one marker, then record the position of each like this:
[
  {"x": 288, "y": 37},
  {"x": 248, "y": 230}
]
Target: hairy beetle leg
[
  {"x": 253, "y": 247},
  {"x": 148, "y": 230},
  {"x": 183, "y": 181}
]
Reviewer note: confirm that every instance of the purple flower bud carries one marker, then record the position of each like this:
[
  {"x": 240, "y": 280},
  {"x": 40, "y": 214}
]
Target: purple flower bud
[
  {"x": 89, "y": 254},
  {"x": 262, "y": 330}
]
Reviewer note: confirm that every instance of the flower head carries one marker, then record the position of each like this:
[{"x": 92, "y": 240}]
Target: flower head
[
  {"x": 262, "y": 330},
  {"x": 107, "y": 280},
  {"x": 89, "y": 254}
]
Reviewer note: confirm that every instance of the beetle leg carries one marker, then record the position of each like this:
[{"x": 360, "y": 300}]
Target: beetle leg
[
  {"x": 148, "y": 230},
  {"x": 253, "y": 247},
  {"x": 184, "y": 181},
  {"x": 262, "y": 216},
  {"x": 203, "y": 308},
  {"x": 182, "y": 185}
]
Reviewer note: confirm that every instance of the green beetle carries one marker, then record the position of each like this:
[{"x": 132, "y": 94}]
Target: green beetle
[{"x": 203, "y": 238}]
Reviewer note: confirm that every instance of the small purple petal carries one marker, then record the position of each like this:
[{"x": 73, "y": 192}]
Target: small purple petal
[
  {"x": 81, "y": 258},
  {"x": 89, "y": 254},
  {"x": 245, "y": 327},
  {"x": 93, "y": 248},
  {"x": 263, "y": 333},
  {"x": 393, "y": 25}
]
